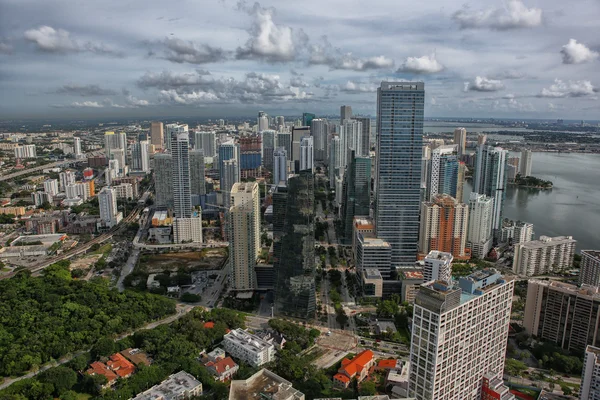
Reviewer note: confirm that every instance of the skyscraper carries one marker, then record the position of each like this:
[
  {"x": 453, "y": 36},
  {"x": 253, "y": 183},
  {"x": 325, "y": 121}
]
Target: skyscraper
[
  {"x": 445, "y": 173},
  {"x": 320, "y": 130},
  {"x": 297, "y": 134},
  {"x": 227, "y": 151},
  {"x": 230, "y": 172},
  {"x": 279, "y": 166},
  {"x": 590, "y": 378},
  {"x": 437, "y": 266},
  {"x": 365, "y": 136},
  {"x": 294, "y": 262},
  {"x": 481, "y": 139},
  {"x": 398, "y": 173},
  {"x": 284, "y": 140},
  {"x": 307, "y": 118},
  {"x": 460, "y": 140},
  {"x": 356, "y": 197},
  {"x": 335, "y": 160},
  {"x": 182, "y": 203},
  {"x": 197, "y": 181},
  {"x": 351, "y": 139},
  {"x": 205, "y": 141},
  {"x": 114, "y": 141},
  {"x": 263, "y": 121},
  {"x": 345, "y": 113},
  {"x": 479, "y": 232},
  {"x": 157, "y": 136},
  {"x": 140, "y": 156},
  {"x": 279, "y": 123},
  {"x": 173, "y": 129},
  {"x": 77, "y": 147},
  {"x": 460, "y": 332},
  {"x": 525, "y": 169},
  {"x": 444, "y": 226},
  {"x": 490, "y": 179},
  {"x": 51, "y": 187},
  {"x": 107, "y": 201},
  {"x": 306, "y": 153},
  {"x": 268, "y": 146},
  {"x": 163, "y": 180},
  {"x": 243, "y": 232}
]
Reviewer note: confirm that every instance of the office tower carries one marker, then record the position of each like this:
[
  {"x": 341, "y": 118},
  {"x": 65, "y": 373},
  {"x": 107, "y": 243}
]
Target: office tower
[
  {"x": 279, "y": 166},
  {"x": 297, "y": 134},
  {"x": 490, "y": 179},
  {"x": 351, "y": 139},
  {"x": 479, "y": 232},
  {"x": 460, "y": 140},
  {"x": 356, "y": 197},
  {"x": 544, "y": 256},
  {"x": 65, "y": 178},
  {"x": 345, "y": 113},
  {"x": 107, "y": 200},
  {"x": 206, "y": 141},
  {"x": 180, "y": 141},
  {"x": 173, "y": 130},
  {"x": 221, "y": 122},
  {"x": 163, "y": 180},
  {"x": 197, "y": 181},
  {"x": 373, "y": 253},
  {"x": 562, "y": 313},
  {"x": 590, "y": 377},
  {"x": 250, "y": 156},
  {"x": 307, "y": 119},
  {"x": 157, "y": 138},
  {"x": 320, "y": 131},
  {"x": 525, "y": 169},
  {"x": 437, "y": 266},
  {"x": 335, "y": 160},
  {"x": 227, "y": 151},
  {"x": 230, "y": 172},
  {"x": 398, "y": 173},
  {"x": 444, "y": 226},
  {"x": 263, "y": 121},
  {"x": 306, "y": 153},
  {"x": 77, "y": 147},
  {"x": 26, "y": 151},
  {"x": 268, "y": 146},
  {"x": 279, "y": 123},
  {"x": 140, "y": 156},
  {"x": 516, "y": 232},
  {"x": 243, "y": 233},
  {"x": 294, "y": 262},
  {"x": 365, "y": 135},
  {"x": 481, "y": 139},
  {"x": 445, "y": 173},
  {"x": 284, "y": 140},
  {"x": 590, "y": 268},
  {"x": 459, "y": 334},
  {"x": 189, "y": 229},
  {"x": 51, "y": 187}
]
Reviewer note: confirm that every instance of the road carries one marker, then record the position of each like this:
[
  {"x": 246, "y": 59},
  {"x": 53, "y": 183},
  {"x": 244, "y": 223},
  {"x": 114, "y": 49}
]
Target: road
[
  {"x": 128, "y": 268},
  {"x": 45, "y": 166}
]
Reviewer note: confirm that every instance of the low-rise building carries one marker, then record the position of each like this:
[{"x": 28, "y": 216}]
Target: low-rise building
[
  {"x": 177, "y": 386},
  {"x": 411, "y": 280},
  {"x": 358, "y": 368},
  {"x": 264, "y": 385},
  {"x": 273, "y": 337},
  {"x": 120, "y": 365},
  {"x": 98, "y": 368},
  {"x": 248, "y": 347},
  {"x": 222, "y": 369},
  {"x": 137, "y": 357},
  {"x": 372, "y": 282},
  {"x": 493, "y": 388},
  {"x": 373, "y": 253}
]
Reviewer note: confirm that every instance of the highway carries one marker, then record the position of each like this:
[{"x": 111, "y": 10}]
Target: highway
[{"x": 46, "y": 166}]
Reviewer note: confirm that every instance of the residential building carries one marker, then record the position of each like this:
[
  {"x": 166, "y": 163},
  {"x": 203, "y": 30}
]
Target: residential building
[
  {"x": 437, "y": 267},
  {"x": 445, "y": 173},
  {"x": 16, "y": 211},
  {"x": 284, "y": 139},
  {"x": 109, "y": 214},
  {"x": 516, "y": 232},
  {"x": 345, "y": 113},
  {"x": 205, "y": 141},
  {"x": 297, "y": 134},
  {"x": 490, "y": 179},
  {"x": 460, "y": 140},
  {"x": 115, "y": 141},
  {"x": 306, "y": 153},
  {"x": 525, "y": 169},
  {"x": 120, "y": 156},
  {"x": 176, "y": 387},
  {"x": 157, "y": 137},
  {"x": 590, "y": 377},
  {"x": 356, "y": 196},
  {"x": 444, "y": 227},
  {"x": 264, "y": 384},
  {"x": 163, "y": 180},
  {"x": 229, "y": 176},
  {"x": 197, "y": 180},
  {"x": 481, "y": 139},
  {"x": 373, "y": 253},
  {"x": 364, "y": 226},
  {"x": 228, "y": 150},
  {"x": 411, "y": 279},
  {"x": 590, "y": 268},
  {"x": 279, "y": 166},
  {"x": 562, "y": 313},
  {"x": 180, "y": 142},
  {"x": 250, "y": 156},
  {"x": 355, "y": 368},
  {"x": 120, "y": 365},
  {"x": 335, "y": 160},
  {"x": 294, "y": 247},
  {"x": 351, "y": 140},
  {"x": 279, "y": 122},
  {"x": 243, "y": 233},
  {"x": 479, "y": 231},
  {"x": 460, "y": 332},
  {"x": 140, "y": 156},
  {"x": 263, "y": 121},
  {"x": 65, "y": 178},
  {"x": 398, "y": 173},
  {"x": 51, "y": 187},
  {"x": 77, "y": 147},
  {"x": 365, "y": 135},
  {"x": 493, "y": 388},
  {"x": 248, "y": 347},
  {"x": 544, "y": 256},
  {"x": 78, "y": 190},
  {"x": 175, "y": 130},
  {"x": 26, "y": 151},
  {"x": 223, "y": 370},
  {"x": 372, "y": 282},
  {"x": 319, "y": 128},
  {"x": 124, "y": 191},
  {"x": 99, "y": 368},
  {"x": 189, "y": 229},
  {"x": 268, "y": 148}
]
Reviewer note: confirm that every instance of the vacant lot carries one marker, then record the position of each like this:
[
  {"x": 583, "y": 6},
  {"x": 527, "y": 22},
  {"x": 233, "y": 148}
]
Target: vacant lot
[{"x": 194, "y": 260}]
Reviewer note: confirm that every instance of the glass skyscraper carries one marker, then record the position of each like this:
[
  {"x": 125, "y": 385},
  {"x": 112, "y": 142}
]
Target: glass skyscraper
[
  {"x": 182, "y": 202},
  {"x": 398, "y": 175},
  {"x": 356, "y": 193}
]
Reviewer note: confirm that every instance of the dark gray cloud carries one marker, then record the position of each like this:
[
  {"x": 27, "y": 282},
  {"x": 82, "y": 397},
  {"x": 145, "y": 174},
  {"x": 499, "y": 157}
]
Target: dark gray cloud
[
  {"x": 508, "y": 74},
  {"x": 325, "y": 54},
  {"x": 50, "y": 40},
  {"x": 577, "y": 53},
  {"x": 84, "y": 90},
  {"x": 515, "y": 15},
  {"x": 483, "y": 84},
  {"x": 187, "y": 51}
]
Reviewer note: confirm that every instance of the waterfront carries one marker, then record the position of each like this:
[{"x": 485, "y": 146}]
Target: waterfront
[{"x": 571, "y": 208}]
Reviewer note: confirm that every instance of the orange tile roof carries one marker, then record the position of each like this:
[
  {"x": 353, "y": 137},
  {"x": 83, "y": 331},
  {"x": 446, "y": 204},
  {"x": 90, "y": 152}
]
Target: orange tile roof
[
  {"x": 223, "y": 365},
  {"x": 98, "y": 368},
  {"x": 209, "y": 325},
  {"x": 354, "y": 366},
  {"x": 341, "y": 377},
  {"x": 120, "y": 365},
  {"x": 387, "y": 364}
]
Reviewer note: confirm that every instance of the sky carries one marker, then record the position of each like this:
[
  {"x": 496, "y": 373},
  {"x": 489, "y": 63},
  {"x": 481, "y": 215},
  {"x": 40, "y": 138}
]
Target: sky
[{"x": 219, "y": 58}]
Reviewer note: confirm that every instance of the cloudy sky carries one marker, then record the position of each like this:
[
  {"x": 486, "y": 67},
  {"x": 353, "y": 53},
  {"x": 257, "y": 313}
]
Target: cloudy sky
[{"x": 485, "y": 58}]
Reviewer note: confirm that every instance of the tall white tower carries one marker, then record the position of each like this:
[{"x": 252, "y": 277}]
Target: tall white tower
[
  {"x": 279, "y": 166},
  {"x": 306, "y": 153}
]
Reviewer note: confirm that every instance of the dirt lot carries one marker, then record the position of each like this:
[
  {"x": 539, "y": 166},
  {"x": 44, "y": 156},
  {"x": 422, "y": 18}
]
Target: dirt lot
[
  {"x": 85, "y": 262},
  {"x": 197, "y": 260}
]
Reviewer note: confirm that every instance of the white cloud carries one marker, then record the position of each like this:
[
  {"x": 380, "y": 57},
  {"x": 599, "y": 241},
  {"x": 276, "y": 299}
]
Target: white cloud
[
  {"x": 325, "y": 54},
  {"x": 357, "y": 87},
  {"x": 86, "y": 104},
  {"x": 5, "y": 47},
  {"x": 577, "y": 53},
  {"x": 297, "y": 81},
  {"x": 182, "y": 51},
  {"x": 50, "y": 40},
  {"x": 561, "y": 88},
  {"x": 421, "y": 65},
  {"x": 483, "y": 84},
  {"x": 514, "y": 15}
]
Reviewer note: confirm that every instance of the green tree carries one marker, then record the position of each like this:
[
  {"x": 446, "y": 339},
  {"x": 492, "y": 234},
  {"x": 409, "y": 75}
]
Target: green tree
[
  {"x": 387, "y": 309},
  {"x": 62, "y": 378},
  {"x": 367, "y": 388},
  {"x": 104, "y": 347},
  {"x": 514, "y": 367}
]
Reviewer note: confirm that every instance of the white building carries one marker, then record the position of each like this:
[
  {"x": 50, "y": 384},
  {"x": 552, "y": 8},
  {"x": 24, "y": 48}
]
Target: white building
[
  {"x": 207, "y": 142},
  {"x": 179, "y": 145},
  {"x": 124, "y": 191},
  {"x": 77, "y": 147},
  {"x": 230, "y": 174},
  {"x": 39, "y": 198},
  {"x": 590, "y": 268},
  {"x": 78, "y": 190},
  {"x": 459, "y": 334},
  {"x": 525, "y": 163},
  {"x": 517, "y": 232},
  {"x": 279, "y": 166},
  {"x": 188, "y": 230},
  {"x": 65, "y": 178},
  {"x": 335, "y": 160},
  {"x": 113, "y": 142},
  {"x": 375, "y": 253},
  {"x": 351, "y": 139},
  {"x": 263, "y": 121},
  {"x": 26, "y": 151},
  {"x": 437, "y": 266},
  {"x": 140, "y": 156},
  {"x": 590, "y": 378},
  {"x": 460, "y": 139},
  {"x": 306, "y": 153},
  {"x": 248, "y": 347},
  {"x": 176, "y": 387},
  {"x": 479, "y": 231},
  {"x": 109, "y": 214},
  {"x": 51, "y": 187},
  {"x": 543, "y": 256}
]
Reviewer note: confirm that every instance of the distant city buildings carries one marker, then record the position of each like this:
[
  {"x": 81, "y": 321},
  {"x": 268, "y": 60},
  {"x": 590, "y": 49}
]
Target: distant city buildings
[
  {"x": 589, "y": 272},
  {"x": 197, "y": 174},
  {"x": 179, "y": 139},
  {"x": 320, "y": 131},
  {"x": 77, "y": 147},
  {"x": 157, "y": 135},
  {"x": 460, "y": 140},
  {"x": 544, "y": 256},
  {"x": 25, "y": 151},
  {"x": 345, "y": 113},
  {"x": 365, "y": 135}
]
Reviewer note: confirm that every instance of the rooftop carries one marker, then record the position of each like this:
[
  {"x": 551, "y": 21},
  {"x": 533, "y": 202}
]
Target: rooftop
[
  {"x": 374, "y": 242},
  {"x": 547, "y": 241},
  {"x": 136, "y": 356},
  {"x": 592, "y": 253},
  {"x": 372, "y": 273},
  {"x": 264, "y": 385},
  {"x": 171, "y": 388},
  {"x": 439, "y": 255},
  {"x": 354, "y": 366},
  {"x": 412, "y": 274},
  {"x": 247, "y": 340}
]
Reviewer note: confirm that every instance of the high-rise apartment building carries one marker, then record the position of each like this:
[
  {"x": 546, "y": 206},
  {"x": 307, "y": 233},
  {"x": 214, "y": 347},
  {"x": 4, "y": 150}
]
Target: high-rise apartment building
[
  {"x": 174, "y": 129},
  {"x": 459, "y": 334},
  {"x": 51, "y": 187},
  {"x": 437, "y": 266},
  {"x": 182, "y": 201},
  {"x": 227, "y": 151},
  {"x": 306, "y": 153},
  {"x": 446, "y": 173},
  {"x": 157, "y": 136},
  {"x": 197, "y": 181},
  {"x": 230, "y": 172},
  {"x": 460, "y": 140},
  {"x": 398, "y": 173},
  {"x": 320, "y": 131},
  {"x": 479, "y": 231},
  {"x": 268, "y": 147},
  {"x": 26, "y": 151},
  {"x": 279, "y": 166},
  {"x": 109, "y": 214},
  {"x": 516, "y": 232},
  {"x": 544, "y": 256},
  {"x": 562, "y": 313},
  {"x": 263, "y": 121},
  {"x": 188, "y": 229},
  {"x": 345, "y": 113},
  {"x": 115, "y": 141},
  {"x": 335, "y": 160},
  {"x": 77, "y": 147},
  {"x": 525, "y": 169},
  {"x": 590, "y": 268},
  {"x": 590, "y": 378},
  {"x": 65, "y": 178},
  {"x": 351, "y": 140},
  {"x": 481, "y": 139},
  {"x": 163, "y": 180},
  {"x": 365, "y": 135},
  {"x": 140, "y": 156},
  {"x": 297, "y": 134},
  {"x": 243, "y": 233},
  {"x": 444, "y": 224},
  {"x": 356, "y": 197},
  {"x": 490, "y": 179},
  {"x": 294, "y": 256},
  {"x": 206, "y": 141},
  {"x": 280, "y": 123}
]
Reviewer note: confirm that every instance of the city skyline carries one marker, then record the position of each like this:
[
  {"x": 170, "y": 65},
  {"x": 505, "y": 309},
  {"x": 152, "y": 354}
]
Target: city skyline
[{"x": 527, "y": 59}]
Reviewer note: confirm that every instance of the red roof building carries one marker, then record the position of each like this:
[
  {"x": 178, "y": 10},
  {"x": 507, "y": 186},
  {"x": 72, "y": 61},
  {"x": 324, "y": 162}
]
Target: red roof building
[
  {"x": 209, "y": 325},
  {"x": 98, "y": 368},
  {"x": 120, "y": 365},
  {"x": 223, "y": 369},
  {"x": 386, "y": 364},
  {"x": 357, "y": 368}
]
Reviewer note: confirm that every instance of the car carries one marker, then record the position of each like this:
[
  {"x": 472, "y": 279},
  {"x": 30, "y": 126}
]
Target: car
[{"x": 328, "y": 333}]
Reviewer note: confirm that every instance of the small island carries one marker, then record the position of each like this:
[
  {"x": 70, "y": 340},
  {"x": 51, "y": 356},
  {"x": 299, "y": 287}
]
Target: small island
[{"x": 532, "y": 182}]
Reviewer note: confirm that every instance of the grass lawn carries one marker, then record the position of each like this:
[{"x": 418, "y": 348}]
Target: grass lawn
[{"x": 104, "y": 249}]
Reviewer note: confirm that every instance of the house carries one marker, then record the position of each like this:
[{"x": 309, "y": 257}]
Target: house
[
  {"x": 222, "y": 369},
  {"x": 272, "y": 337},
  {"x": 120, "y": 366},
  {"x": 98, "y": 368},
  {"x": 386, "y": 365},
  {"x": 382, "y": 327},
  {"x": 176, "y": 387},
  {"x": 136, "y": 356},
  {"x": 357, "y": 368}
]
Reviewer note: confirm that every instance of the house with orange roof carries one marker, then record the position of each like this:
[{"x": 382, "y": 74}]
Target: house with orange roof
[
  {"x": 357, "y": 368},
  {"x": 387, "y": 364},
  {"x": 223, "y": 369},
  {"x": 98, "y": 368},
  {"x": 209, "y": 325},
  {"x": 120, "y": 365}
]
